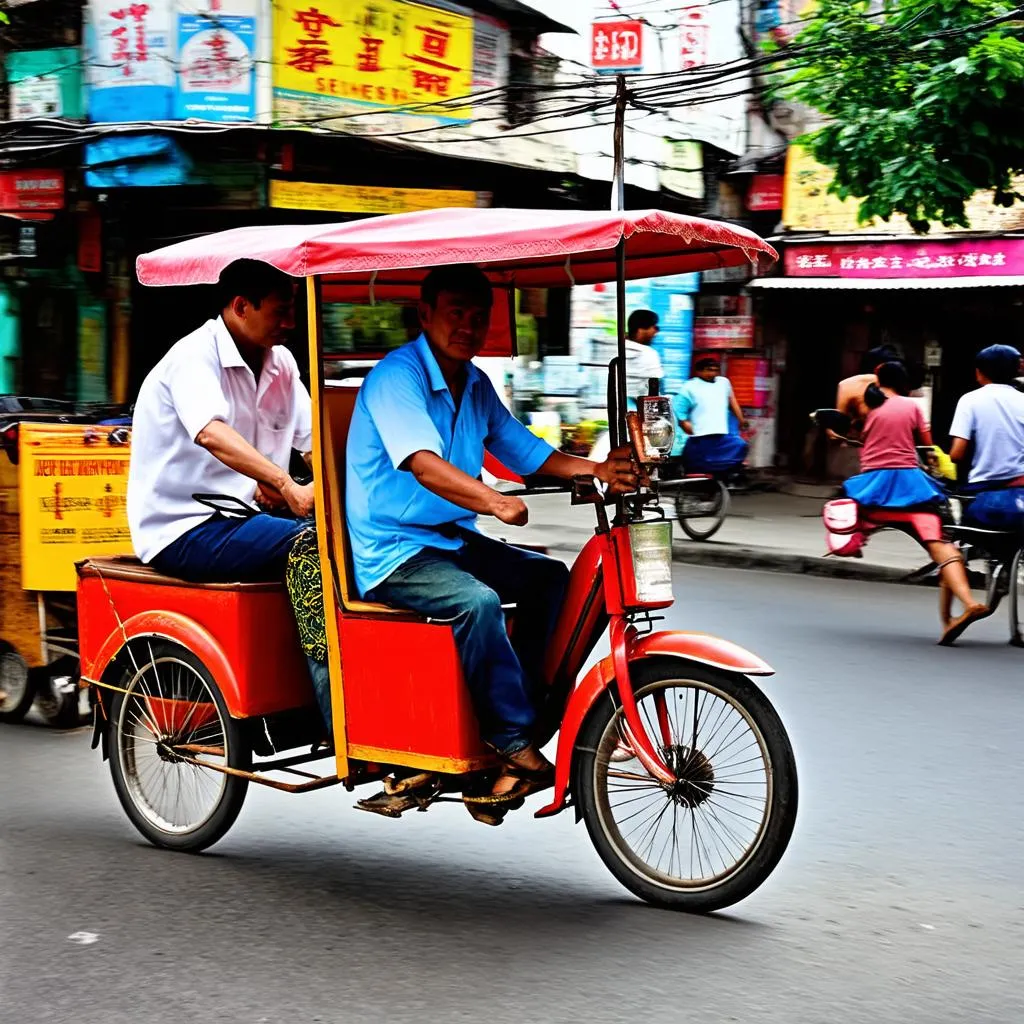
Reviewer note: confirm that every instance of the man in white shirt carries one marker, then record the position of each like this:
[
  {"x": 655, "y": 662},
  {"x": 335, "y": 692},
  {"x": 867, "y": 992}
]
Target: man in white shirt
[
  {"x": 992, "y": 418},
  {"x": 703, "y": 409},
  {"x": 642, "y": 362},
  {"x": 220, "y": 414}
]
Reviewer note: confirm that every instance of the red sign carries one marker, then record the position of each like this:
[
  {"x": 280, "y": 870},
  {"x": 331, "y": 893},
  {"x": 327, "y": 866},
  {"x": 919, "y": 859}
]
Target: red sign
[
  {"x": 765, "y": 192},
  {"x": 714, "y": 332},
  {"x": 617, "y": 45},
  {"x": 694, "y": 36},
  {"x": 90, "y": 241},
  {"x": 953, "y": 258},
  {"x": 31, "y": 190}
]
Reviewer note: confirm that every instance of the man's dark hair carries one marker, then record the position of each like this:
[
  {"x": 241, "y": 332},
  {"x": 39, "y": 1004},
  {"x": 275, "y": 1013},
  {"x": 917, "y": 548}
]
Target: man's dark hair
[
  {"x": 1000, "y": 363},
  {"x": 874, "y": 357},
  {"x": 253, "y": 280},
  {"x": 640, "y": 320},
  {"x": 892, "y": 375},
  {"x": 706, "y": 363},
  {"x": 461, "y": 278}
]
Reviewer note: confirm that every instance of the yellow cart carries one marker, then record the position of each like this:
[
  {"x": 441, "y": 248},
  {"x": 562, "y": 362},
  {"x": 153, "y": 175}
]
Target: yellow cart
[{"x": 62, "y": 499}]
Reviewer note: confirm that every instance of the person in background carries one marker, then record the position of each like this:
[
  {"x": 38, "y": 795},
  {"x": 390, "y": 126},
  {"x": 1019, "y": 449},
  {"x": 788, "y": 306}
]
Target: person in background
[
  {"x": 992, "y": 419},
  {"x": 891, "y": 477},
  {"x": 850, "y": 393},
  {"x": 703, "y": 408},
  {"x": 642, "y": 362}
]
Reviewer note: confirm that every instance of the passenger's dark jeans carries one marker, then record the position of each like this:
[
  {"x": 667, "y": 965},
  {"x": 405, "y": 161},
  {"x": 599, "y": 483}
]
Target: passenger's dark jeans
[
  {"x": 469, "y": 586},
  {"x": 227, "y": 549}
]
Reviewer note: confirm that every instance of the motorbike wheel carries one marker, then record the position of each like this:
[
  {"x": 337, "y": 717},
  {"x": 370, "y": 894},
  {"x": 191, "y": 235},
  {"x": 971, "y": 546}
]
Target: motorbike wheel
[
  {"x": 713, "y": 838},
  {"x": 701, "y": 509},
  {"x": 58, "y": 698},
  {"x": 167, "y": 699},
  {"x": 1016, "y": 586},
  {"x": 15, "y": 684}
]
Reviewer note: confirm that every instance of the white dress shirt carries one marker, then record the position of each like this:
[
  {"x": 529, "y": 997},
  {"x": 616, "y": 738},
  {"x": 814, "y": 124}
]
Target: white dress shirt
[
  {"x": 642, "y": 363},
  {"x": 201, "y": 379}
]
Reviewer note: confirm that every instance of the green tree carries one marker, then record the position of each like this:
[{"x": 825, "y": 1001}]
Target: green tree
[{"x": 924, "y": 101}]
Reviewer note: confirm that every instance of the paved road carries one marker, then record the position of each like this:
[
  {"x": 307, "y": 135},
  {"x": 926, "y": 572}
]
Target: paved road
[{"x": 900, "y": 898}]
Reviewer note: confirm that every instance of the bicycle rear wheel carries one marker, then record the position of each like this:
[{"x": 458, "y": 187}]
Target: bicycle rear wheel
[
  {"x": 1017, "y": 598},
  {"x": 701, "y": 508}
]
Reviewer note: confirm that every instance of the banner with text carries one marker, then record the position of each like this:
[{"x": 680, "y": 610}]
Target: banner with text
[{"x": 406, "y": 58}]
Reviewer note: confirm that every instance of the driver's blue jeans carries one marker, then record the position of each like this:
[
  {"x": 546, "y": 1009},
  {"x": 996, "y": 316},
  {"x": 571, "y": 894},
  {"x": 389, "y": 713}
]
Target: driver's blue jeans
[{"x": 469, "y": 586}]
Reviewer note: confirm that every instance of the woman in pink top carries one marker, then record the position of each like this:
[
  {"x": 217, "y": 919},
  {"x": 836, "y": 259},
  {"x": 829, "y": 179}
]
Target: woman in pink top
[{"x": 892, "y": 478}]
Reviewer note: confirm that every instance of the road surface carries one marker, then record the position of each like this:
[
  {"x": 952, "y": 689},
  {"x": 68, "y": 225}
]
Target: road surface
[{"x": 901, "y": 897}]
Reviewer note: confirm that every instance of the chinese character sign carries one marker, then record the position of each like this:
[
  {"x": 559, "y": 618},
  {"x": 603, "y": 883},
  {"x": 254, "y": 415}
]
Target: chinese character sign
[
  {"x": 215, "y": 67},
  {"x": 131, "y": 64},
  {"x": 979, "y": 257},
  {"x": 694, "y": 36},
  {"x": 617, "y": 46},
  {"x": 382, "y": 53}
]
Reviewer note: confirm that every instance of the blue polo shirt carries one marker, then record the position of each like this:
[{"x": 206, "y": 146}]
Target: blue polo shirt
[{"x": 403, "y": 407}]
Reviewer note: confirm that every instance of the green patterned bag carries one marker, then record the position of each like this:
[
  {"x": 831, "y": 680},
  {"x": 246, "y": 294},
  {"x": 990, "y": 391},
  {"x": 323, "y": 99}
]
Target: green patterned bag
[{"x": 302, "y": 577}]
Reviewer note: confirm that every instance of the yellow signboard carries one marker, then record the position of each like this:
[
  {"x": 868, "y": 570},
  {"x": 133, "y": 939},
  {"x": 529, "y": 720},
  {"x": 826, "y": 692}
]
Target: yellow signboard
[
  {"x": 377, "y": 53},
  {"x": 807, "y": 205},
  {"x": 72, "y": 486},
  {"x": 305, "y": 195}
]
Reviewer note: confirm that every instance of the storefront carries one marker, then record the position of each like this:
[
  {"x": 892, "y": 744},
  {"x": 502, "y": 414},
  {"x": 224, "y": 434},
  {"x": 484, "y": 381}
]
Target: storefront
[{"x": 938, "y": 301}]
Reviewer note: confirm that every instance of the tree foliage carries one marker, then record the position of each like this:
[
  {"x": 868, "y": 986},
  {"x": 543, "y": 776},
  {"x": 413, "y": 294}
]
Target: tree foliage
[{"x": 924, "y": 101}]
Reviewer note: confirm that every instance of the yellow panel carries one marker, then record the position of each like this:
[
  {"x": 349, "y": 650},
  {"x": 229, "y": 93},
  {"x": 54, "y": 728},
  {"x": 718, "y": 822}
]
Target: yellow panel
[
  {"x": 72, "y": 489},
  {"x": 426, "y": 762}
]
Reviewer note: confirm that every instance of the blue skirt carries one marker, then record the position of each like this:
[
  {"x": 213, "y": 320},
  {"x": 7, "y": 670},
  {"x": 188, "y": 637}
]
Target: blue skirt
[
  {"x": 997, "y": 510},
  {"x": 893, "y": 488}
]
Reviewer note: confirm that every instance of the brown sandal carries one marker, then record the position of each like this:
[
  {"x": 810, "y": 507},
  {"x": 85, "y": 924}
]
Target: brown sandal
[{"x": 956, "y": 628}]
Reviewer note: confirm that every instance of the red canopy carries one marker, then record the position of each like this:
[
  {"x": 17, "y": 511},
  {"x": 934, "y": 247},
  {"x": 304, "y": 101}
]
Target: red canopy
[{"x": 530, "y": 248}]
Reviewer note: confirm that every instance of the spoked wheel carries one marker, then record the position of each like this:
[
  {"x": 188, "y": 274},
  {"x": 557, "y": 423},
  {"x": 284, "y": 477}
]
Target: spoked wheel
[
  {"x": 170, "y": 715},
  {"x": 701, "y": 508},
  {"x": 712, "y": 838},
  {"x": 1017, "y": 599},
  {"x": 16, "y": 689}
]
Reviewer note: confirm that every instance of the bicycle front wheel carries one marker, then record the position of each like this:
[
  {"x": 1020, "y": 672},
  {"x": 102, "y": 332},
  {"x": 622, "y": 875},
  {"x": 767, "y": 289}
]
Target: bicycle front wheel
[{"x": 713, "y": 837}]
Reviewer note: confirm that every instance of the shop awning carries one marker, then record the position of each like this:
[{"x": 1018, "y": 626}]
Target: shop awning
[{"x": 884, "y": 283}]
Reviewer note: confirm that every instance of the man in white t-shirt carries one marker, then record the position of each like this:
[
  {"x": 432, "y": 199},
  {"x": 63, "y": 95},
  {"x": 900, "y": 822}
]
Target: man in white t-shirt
[
  {"x": 992, "y": 419},
  {"x": 220, "y": 414},
  {"x": 642, "y": 361},
  {"x": 703, "y": 408}
]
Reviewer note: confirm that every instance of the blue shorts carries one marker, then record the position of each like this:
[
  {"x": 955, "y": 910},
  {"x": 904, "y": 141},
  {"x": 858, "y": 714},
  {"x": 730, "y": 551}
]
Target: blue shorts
[
  {"x": 714, "y": 453},
  {"x": 997, "y": 510}
]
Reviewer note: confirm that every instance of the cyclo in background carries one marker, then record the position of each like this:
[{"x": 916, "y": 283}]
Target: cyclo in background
[{"x": 667, "y": 749}]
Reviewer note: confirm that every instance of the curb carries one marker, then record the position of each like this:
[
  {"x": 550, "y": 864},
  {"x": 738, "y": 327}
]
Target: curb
[{"x": 734, "y": 556}]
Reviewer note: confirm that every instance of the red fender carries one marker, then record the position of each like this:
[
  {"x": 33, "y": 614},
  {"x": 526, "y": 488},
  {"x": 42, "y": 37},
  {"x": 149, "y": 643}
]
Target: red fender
[
  {"x": 697, "y": 647},
  {"x": 181, "y": 630}
]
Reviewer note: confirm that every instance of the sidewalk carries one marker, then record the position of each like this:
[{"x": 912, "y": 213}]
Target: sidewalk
[{"x": 775, "y": 532}]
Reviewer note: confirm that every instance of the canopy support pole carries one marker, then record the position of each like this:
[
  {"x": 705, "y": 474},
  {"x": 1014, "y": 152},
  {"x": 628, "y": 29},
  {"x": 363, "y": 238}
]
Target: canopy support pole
[{"x": 617, "y": 417}]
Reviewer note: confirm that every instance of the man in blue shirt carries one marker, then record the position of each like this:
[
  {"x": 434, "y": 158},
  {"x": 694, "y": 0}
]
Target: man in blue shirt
[{"x": 416, "y": 445}]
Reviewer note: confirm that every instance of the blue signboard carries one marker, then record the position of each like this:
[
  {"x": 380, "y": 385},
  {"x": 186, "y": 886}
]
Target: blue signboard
[{"x": 216, "y": 79}]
